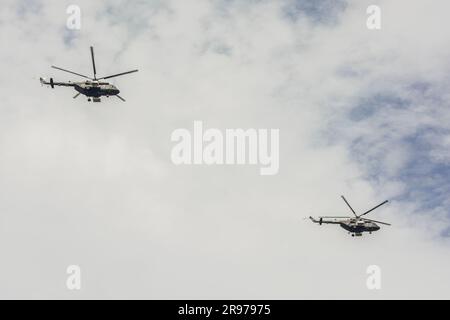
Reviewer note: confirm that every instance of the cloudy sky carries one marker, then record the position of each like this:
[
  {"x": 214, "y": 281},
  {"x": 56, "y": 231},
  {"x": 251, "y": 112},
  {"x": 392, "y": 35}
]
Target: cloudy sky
[{"x": 364, "y": 113}]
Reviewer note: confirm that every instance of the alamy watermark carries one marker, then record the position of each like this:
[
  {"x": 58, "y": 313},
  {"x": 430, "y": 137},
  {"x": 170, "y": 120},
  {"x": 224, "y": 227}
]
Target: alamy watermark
[
  {"x": 232, "y": 146},
  {"x": 73, "y": 281},
  {"x": 373, "y": 282},
  {"x": 74, "y": 20},
  {"x": 374, "y": 19}
]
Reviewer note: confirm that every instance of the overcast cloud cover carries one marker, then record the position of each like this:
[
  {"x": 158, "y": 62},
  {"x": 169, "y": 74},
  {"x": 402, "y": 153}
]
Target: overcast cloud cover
[{"x": 361, "y": 113}]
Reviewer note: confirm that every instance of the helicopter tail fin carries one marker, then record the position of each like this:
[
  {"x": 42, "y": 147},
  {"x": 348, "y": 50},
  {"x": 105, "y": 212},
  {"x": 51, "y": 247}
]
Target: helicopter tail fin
[
  {"x": 314, "y": 220},
  {"x": 44, "y": 81},
  {"x": 320, "y": 221}
]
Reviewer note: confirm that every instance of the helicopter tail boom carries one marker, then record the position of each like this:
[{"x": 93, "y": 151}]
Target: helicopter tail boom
[
  {"x": 323, "y": 221},
  {"x": 52, "y": 83}
]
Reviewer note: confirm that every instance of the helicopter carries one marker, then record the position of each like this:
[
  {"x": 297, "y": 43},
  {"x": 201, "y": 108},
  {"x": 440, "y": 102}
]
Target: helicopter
[
  {"x": 354, "y": 225},
  {"x": 93, "y": 88}
]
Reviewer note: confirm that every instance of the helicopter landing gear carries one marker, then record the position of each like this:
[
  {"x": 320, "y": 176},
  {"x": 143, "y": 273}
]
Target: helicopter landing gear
[{"x": 89, "y": 99}]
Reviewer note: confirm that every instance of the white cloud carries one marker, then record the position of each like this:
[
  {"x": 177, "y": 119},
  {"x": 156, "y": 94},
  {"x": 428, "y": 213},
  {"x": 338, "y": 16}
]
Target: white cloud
[{"x": 93, "y": 184}]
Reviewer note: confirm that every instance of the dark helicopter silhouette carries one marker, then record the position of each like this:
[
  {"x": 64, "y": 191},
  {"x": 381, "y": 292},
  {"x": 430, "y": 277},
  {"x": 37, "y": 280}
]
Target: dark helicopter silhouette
[
  {"x": 354, "y": 225},
  {"x": 93, "y": 88}
]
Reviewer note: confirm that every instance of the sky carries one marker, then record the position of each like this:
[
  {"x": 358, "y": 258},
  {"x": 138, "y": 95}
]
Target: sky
[{"x": 363, "y": 113}]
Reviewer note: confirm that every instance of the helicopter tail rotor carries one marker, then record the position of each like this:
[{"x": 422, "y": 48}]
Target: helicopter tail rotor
[
  {"x": 317, "y": 221},
  {"x": 44, "y": 82}
]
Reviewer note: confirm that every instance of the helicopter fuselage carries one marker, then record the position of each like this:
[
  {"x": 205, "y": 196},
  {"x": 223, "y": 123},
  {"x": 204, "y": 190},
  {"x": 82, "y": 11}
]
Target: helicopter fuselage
[
  {"x": 358, "y": 226},
  {"x": 96, "y": 89}
]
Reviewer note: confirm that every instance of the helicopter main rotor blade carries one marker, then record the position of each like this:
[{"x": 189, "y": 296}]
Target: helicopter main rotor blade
[
  {"x": 93, "y": 62},
  {"x": 120, "y": 98},
  {"x": 388, "y": 224},
  {"x": 374, "y": 208},
  {"x": 335, "y": 217},
  {"x": 81, "y": 75},
  {"x": 76, "y": 96},
  {"x": 343, "y": 198},
  {"x": 119, "y": 74}
]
